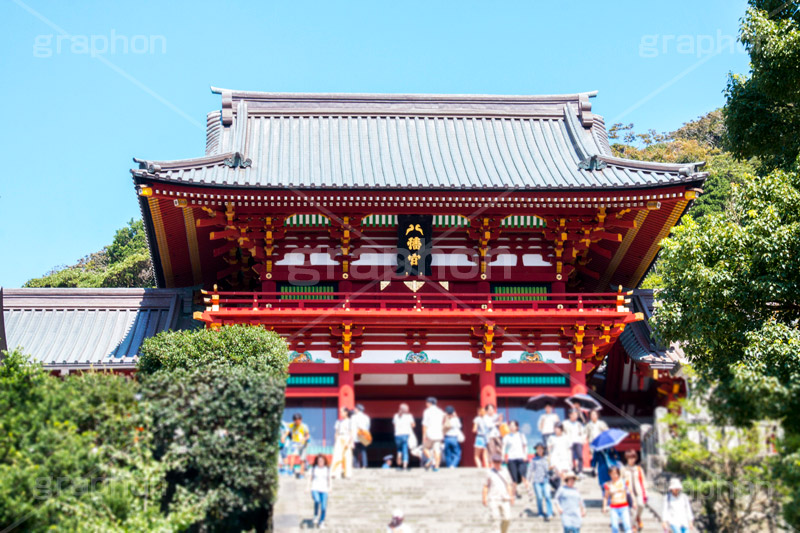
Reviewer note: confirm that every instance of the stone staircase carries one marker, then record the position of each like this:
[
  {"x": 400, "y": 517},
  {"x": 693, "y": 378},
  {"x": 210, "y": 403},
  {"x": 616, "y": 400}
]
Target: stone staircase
[{"x": 445, "y": 501}]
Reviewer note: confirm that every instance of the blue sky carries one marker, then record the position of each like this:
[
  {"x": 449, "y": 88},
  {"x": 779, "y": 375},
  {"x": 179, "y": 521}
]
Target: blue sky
[{"x": 77, "y": 110}]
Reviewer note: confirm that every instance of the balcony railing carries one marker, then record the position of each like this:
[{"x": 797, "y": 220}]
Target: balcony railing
[{"x": 373, "y": 300}]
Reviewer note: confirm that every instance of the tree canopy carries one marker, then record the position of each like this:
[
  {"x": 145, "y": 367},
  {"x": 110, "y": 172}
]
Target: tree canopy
[
  {"x": 762, "y": 114},
  {"x": 730, "y": 293},
  {"x": 124, "y": 263},
  {"x": 703, "y": 139}
]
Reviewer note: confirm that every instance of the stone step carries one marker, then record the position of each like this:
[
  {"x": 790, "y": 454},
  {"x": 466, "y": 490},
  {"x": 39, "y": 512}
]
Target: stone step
[{"x": 435, "y": 502}]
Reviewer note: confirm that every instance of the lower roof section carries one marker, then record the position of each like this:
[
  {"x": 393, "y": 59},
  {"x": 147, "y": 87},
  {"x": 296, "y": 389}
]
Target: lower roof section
[
  {"x": 82, "y": 328},
  {"x": 639, "y": 341}
]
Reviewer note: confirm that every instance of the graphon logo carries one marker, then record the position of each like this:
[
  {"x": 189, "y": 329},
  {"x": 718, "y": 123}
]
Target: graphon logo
[
  {"x": 47, "y": 45},
  {"x": 705, "y": 45}
]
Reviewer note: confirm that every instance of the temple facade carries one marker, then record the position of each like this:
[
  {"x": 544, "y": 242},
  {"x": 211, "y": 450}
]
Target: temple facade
[{"x": 480, "y": 249}]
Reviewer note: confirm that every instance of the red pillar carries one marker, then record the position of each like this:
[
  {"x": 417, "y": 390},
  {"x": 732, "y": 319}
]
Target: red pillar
[
  {"x": 347, "y": 397},
  {"x": 577, "y": 380},
  {"x": 486, "y": 383}
]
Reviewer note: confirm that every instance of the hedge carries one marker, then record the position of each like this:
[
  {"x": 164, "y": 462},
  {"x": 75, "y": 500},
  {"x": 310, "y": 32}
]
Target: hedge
[{"x": 251, "y": 346}]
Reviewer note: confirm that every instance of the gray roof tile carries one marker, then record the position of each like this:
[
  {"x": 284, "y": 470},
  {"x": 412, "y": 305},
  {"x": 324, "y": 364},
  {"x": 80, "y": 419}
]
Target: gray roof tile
[
  {"x": 69, "y": 327},
  {"x": 420, "y": 141}
]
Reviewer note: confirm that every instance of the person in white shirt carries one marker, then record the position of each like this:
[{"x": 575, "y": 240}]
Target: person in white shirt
[
  {"x": 573, "y": 428},
  {"x": 320, "y": 485},
  {"x": 432, "y": 433},
  {"x": 404, "y": 425},
  {"x": 499, "y": 493},
  {"x": 396, "y": 525},
  {"x": 452, "y": 437},
  {"x": 343, "y": 444},
  {"x": 515, "y": 450},
  {"x": 560, "y": 448},
  {"x": 547, "y": 423},
  {"x": 492, "y": 420},
  {"x": 479, "y": 428},
  {"x": 677, "y": 514},
  {"x": 362, "y": 426}
]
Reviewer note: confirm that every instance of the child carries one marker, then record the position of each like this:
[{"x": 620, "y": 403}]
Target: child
[
  {"x": 677, "y": 515},
  {"x": 387, "y": 461},
  {"x": 569, "y": 504},
  {"x": 634, "y": 475},
  {"x": 616, "y": 493},
  {"x": 538, "y": 477},
  {"x": 320, "y": 485}
]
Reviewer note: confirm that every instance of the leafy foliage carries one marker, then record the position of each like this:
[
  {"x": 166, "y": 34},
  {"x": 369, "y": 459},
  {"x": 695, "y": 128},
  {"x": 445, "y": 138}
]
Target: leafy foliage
[
  {"x": 703, "y": 139},
  {"x": 124, "y": 263},
  {"x": 248, "y": 346},
  {"x": 217, "y": 399},
  {"x": 731, "y": 287},
  {"x": 218, "y": 429},
  {"x": 726, "y": 471},
  {"x": 74, "y": 455},
  {"x": 762, "y": 114}
]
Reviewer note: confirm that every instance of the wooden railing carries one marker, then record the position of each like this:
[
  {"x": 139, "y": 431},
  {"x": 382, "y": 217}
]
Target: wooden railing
[{"x": 373, "y": 300}]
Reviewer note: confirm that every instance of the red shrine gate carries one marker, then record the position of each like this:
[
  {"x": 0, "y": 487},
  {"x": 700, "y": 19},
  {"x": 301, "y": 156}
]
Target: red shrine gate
[{"x": 405, "y": 246}]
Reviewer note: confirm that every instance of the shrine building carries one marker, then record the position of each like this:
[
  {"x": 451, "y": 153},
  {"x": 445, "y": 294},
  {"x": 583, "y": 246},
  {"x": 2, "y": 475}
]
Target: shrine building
[{"x": 479, "y": 249}]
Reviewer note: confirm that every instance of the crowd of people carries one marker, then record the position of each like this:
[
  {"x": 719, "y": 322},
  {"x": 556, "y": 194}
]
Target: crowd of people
[{"x": 549, "y": 476}]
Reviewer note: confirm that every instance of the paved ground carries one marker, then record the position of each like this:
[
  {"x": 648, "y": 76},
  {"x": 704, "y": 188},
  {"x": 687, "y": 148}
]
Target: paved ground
[{"x": 444, "y": 501}]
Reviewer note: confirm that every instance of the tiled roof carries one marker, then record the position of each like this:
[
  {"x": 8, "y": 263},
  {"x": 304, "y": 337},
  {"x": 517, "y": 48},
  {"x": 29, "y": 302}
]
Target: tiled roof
[
  {"x": 324, "y": 141},
  {"x": 66, "y": 328},
  {"x": 638, "y": 340}
]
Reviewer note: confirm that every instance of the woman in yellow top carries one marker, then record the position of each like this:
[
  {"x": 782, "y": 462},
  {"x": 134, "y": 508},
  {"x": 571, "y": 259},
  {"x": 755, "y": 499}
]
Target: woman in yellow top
[{"x": 617, "y": 497}]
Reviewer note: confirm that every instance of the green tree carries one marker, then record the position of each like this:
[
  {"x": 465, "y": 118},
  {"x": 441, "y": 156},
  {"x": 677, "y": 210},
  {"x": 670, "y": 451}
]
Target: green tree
[
  {"x": 730, "y": 293},
  {"x": 762, "y": 113},
  {"x": 725, "y": 470},
  {"x": 703, "y": 139},
  {"x": 75, "y": 455},
  {"x": 216, "y": 399},
  {"x": 124, "y": 263}
]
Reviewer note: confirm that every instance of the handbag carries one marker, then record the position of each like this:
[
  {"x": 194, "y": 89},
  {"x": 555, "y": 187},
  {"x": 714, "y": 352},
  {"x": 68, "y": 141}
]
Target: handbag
[
  {"x": 554, "y": 479},
  {"x": 412, "y": 441},
  {"x": 364, "y": 437},
  {"x": 460, "y": 436}
]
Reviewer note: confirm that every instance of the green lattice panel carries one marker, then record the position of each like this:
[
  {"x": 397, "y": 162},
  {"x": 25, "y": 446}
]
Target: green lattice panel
[
  {"x": 532, "y": 380},
  {"x": 312, "y": 380}
]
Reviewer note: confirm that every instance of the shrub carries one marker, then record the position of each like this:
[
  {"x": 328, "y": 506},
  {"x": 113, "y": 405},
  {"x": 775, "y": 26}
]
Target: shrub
[
  {"x": 75, "y": 455},
  {"x": 250, "y": 346},
  {"x": 218, "y": 429},
  {"x": 216, "y": 400}
]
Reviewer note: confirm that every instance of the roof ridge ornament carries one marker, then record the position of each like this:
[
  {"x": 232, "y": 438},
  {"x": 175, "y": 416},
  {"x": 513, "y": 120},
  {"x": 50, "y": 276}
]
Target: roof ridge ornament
[
  {"x": 237, "y": 160},
  {"x": 149, "y": 166},
  {"x": 227, "y": 108},
  {"x": 593, "y": 162}
]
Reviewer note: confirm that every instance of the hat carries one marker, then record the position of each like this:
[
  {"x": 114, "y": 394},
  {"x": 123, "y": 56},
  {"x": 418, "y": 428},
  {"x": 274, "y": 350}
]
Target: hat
[
  {"x": 675, "y": 484},
  {"x": 388, "y": 457},
  {"x": 497, "y": 458},
  {"x": 539, "y": 445},
  {"x": 397, "y": 513},
  {"x": 360, "y": 407},
  {"x": 569, "y": 475},
  {"x": 431, "y": 400},
  {"x": 450, "y": 409}
]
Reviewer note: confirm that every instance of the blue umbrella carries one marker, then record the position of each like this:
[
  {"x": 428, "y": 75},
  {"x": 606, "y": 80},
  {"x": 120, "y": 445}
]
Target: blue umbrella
[{"x": 608, "y": 439}]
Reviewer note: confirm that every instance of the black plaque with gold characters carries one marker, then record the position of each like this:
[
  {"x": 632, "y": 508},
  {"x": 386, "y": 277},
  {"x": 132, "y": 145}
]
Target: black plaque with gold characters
[{"x": 414, "y": 236}]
